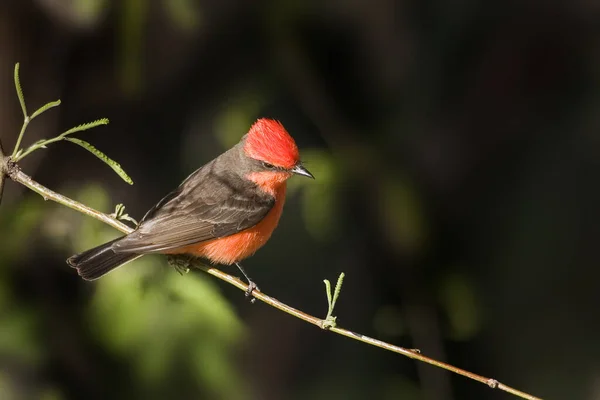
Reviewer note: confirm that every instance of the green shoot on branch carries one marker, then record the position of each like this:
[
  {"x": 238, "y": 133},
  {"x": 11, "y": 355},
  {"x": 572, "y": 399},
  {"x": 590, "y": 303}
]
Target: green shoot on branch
[
  {"x": 329, "y": 321},
  {"x": 120, "y": 214},
  {"x": 19, "y": 153}
]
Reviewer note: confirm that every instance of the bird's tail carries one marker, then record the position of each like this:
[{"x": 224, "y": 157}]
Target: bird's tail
[{"x": 96, "y": 262}]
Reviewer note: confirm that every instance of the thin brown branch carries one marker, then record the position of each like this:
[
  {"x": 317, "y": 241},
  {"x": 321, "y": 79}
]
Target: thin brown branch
[
  {"x": 15, "y": 173},
  {"x": 18, "y": 176},
  {"x": 3, "y": 168},
  {"x": 492, "y": 383}
]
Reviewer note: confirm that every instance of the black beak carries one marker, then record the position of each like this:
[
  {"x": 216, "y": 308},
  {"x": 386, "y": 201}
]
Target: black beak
[{"x": 300, "y": 170}]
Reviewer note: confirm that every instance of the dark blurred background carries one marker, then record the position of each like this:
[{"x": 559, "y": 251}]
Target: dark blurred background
[{"x": 456, "y": 148}]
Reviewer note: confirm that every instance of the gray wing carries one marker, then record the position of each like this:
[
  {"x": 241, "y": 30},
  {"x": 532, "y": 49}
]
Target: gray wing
[{"x": 206, "y": 206}]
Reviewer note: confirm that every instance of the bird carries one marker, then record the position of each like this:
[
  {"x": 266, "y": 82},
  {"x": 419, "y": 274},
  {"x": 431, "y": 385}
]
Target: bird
[{"x": 223, "y": 212}]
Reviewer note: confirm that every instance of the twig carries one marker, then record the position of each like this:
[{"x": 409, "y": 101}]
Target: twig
[
  {"x": 18, "y": 176},
  {"x": 492, "y": 383},
  {"x": 15, "y": 173},
  {"x": 2, "y": 170}
]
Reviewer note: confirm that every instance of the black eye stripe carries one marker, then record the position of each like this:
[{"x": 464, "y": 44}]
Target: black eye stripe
[{"x": 266, "y": 165}]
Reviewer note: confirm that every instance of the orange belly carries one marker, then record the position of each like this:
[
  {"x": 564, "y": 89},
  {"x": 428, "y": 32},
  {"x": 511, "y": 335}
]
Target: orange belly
[{"x": 234, "y": 248}]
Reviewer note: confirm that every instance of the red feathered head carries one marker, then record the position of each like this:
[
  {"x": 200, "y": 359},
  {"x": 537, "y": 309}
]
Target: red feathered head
[{"x": 268, "y": 141}]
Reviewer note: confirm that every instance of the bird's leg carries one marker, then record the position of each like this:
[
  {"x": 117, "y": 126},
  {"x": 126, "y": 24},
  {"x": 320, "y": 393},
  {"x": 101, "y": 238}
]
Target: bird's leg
[
  {"x": 251, "y": 285},
  {"x": 180, "y": 264}
]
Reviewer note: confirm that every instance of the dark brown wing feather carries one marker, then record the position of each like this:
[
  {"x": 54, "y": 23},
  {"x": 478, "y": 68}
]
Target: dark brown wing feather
[{"x": 209, "y": 204}]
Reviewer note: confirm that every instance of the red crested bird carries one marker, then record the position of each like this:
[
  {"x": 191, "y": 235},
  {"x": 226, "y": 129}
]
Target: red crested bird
[{"x": 224, "y": 211}]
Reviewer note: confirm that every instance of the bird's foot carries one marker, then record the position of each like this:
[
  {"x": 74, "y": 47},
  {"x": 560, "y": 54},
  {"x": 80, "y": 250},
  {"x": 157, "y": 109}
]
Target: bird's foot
[
  {"x": 181, "y": 264},
  {"x": 251, "y": 287}
]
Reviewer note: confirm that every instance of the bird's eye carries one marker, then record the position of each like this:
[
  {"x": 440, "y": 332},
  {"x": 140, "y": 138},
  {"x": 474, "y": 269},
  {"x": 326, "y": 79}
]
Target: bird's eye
[{"x": 267, "y": 165}]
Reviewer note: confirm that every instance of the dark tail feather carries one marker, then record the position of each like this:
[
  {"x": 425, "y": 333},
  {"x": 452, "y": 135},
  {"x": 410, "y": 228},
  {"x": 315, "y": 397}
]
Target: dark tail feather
[{"x": 96, "y": 262}]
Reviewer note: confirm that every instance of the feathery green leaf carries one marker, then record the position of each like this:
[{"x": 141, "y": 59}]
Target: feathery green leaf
[
  {"x": 328, "y": 293},
  {"x": 338, "y": 288},
  {"x": 84, "y": 127},
  {"x": 113, "y": 164},
  {"x": 45, "y": 107},
  {"x": 20, "y": 91}
]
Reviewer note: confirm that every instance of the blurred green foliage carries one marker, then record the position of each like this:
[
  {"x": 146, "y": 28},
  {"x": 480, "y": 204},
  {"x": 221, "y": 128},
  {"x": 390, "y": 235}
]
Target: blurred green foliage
[
  {"x": 21, "y": 345},
  {"x": 232, "y": 122},
  {"x": 458, "y": 297},
  {"x": 186, "y": 14},
  {"x": 133, "y": 18},
  {"x": 402, "y": 215},
  {"x": 89, "y": 11},
  {"x": 192, "y": 327},
  {"x": 320, "y": 197},
  {"x": 18, "y": 225}
]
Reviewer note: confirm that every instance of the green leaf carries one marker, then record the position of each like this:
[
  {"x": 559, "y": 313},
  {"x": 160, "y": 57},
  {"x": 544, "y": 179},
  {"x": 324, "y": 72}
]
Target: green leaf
[
  {"x": 120, "y": 214},
  {"x": 338, "y": 288},
  {"x": 20, "y": 91},
  {"x": 85, "y": 127},
  {"x": 328, "y": 292},
  {"x": 112, "y": 163},
  {"x": 45, "y": 108}
]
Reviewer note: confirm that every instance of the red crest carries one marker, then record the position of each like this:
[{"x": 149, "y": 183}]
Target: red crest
[{"x": 268, "y": 141}]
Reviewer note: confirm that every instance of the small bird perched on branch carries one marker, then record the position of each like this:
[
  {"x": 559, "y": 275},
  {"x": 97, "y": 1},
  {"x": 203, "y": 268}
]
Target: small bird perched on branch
[{"x": 224, "y": 211}]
